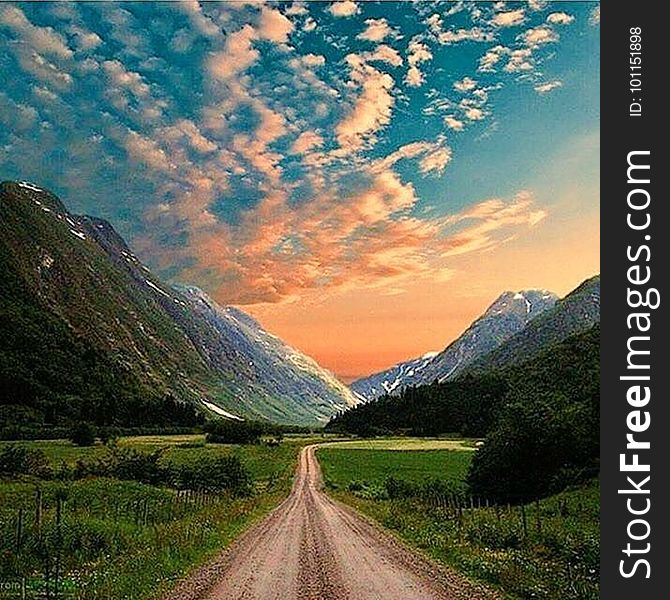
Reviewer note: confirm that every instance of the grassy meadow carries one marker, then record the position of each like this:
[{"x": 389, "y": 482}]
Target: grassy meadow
[
  {"x": 85, "y": 537},
  {"x": 544, "y": 550}
]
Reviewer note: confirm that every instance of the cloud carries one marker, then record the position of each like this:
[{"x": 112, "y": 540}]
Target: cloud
[
  {"x": 465, "y": 85},
  {"x": 120, "y": 77},
  {"x": 306, "y": 141},
  {"x": 371, "y": 109},
  {"x": 474, "y": 34},
  {"x": 85, "y": 40},
  {"x": 345, "y": 8},
  {"x": 265, "y": 184},
  {"x": 186, "y": 129},
  {"x": 490, "y": 223},
  {"x": 560, "y": 18},
  {"x": 414, "y": 77},
  {"x": 434, "y": 23},
  {"x": 43, "y": 40},
  {"x": 417, "y": 53},
  {"x": 536, "y": 5},
  {"x": 376, "y": 30},
  {"x": 297, "y": 9},
  {"x": 239, "y": 52},
  {"x": 520, "y": 60},
  {"x": 147, "y": 151},
  {"x": 200, "y": 21},
  {"x": 509, "y": 18},
  {"x": 547, "y": 86},
  {"x": 40, "y": 51},
  {"x": 491, "y": 58},
  {"x": 538, "y": 36},
  {"x": 237, "y": 55},
  {"x": 385, "y": 54},
  {"x": 594, "y": 17},
  {"x": 433, "y": 156},
  {"x": 313, "y": 60},
  {"x": 365, "y": 239},
  {"x": 435, "y": 160},
  {"x": 274, "y": 26},
  {"x": 453, "y": 123},
  {"x": 473, "y": 113},
  {"x": 310, "y": 24}
]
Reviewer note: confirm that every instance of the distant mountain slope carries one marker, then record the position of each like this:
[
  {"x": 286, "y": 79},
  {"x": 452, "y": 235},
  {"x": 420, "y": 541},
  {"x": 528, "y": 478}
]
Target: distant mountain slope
[
  {"x": 508, "y": 315},
  {"x": 89, "y": 333},
  {"x": 578, "y": 311},
  {"x": 560, "y": 374},
  {"x": 289, "y": 383}
]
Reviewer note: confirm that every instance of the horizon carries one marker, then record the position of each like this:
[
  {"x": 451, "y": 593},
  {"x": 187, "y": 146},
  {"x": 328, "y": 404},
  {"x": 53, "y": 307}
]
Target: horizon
[{"x": 363, "y": 179}]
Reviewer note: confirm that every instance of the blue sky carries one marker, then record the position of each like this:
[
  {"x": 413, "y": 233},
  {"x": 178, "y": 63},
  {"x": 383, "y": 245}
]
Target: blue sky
[{"x": 283, "y": 153}]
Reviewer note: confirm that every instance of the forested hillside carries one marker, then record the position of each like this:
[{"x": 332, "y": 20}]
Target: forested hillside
[{"x": 540, "y": 418}]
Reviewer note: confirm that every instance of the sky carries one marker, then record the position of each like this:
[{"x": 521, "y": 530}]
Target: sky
[{"x": 364, "y": 178}]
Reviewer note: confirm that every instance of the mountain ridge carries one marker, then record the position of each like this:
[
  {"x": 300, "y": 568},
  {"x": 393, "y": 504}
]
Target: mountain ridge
[
  {"x": 77, "y": 276},
  {"x": 507, "y": 315}
]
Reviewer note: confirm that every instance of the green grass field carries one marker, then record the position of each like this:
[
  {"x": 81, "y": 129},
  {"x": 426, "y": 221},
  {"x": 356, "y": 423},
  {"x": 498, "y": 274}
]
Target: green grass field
[
  {"x": 405, "y": 443},
  {"x": 551, "y": 553},
  {"x": 342, "y": 464},
  {"x": 91, "y": 534}
]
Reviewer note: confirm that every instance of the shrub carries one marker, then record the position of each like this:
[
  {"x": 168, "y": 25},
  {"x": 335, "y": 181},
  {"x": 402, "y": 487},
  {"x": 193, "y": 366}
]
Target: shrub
[
  {"x": 128, "y": 463},
  {"x": 109, "y": 435},
  {"x": 213, "y": 474},
  {"x": 236, "y": 432},
  {"x": 19, "y": 460},
  {"x": 82, "y": 434}
]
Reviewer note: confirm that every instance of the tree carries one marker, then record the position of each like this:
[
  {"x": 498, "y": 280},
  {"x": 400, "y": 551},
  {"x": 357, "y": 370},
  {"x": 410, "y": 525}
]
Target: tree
[{"x": 82, "y": 434}]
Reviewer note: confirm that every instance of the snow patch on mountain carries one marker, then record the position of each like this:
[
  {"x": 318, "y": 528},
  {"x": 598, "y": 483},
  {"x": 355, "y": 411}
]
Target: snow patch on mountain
[
  {"x": 508, "y": 315},
  {"x": 220, "y": 411}
]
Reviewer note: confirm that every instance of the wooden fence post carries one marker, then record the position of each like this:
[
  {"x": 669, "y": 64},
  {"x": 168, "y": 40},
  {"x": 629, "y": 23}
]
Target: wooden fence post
[{"x": 19, "y": 529}]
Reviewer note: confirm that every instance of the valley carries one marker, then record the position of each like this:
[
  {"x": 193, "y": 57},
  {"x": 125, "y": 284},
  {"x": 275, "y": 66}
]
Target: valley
[{"x": 170, "y": 431}]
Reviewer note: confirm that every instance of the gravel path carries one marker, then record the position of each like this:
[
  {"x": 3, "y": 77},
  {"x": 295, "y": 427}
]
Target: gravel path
[{"x": 314, "y": 548}]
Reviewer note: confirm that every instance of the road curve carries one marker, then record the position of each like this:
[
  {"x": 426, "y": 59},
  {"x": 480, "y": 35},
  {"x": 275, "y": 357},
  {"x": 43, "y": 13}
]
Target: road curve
[{"x": 314, "y": 548}]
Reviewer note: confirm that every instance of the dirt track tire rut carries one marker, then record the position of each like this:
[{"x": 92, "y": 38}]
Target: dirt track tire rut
[{"x": 314, "y": 548}]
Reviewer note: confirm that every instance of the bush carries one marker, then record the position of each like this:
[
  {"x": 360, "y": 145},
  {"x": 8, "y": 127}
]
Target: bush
[
  {"x": 19, "y": 460},
  {"x": 109, "y": 435},
  {"x": 236, "y": 432},
  {"x": 82, "y": 434},
  {"x": 135, "y": 465},
  {"x": 213, "y": 474}
]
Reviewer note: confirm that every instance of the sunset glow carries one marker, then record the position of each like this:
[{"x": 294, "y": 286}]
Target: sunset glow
[{"x": 364, "y": 178}]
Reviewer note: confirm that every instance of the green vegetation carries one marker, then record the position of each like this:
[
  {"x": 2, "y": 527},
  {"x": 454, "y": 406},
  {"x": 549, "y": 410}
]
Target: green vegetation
[
  {"x": 244, "y": 432},
  {"x": 542, "y": 550},
  {"x": 372, "y": 468},
  {"x": 83, "y": 518},
  {"x": 406, "y": 443},
  {"x": 540, "y": 419}
]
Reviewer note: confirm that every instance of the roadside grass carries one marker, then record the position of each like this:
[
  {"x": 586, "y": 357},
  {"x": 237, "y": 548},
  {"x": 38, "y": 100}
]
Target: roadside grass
[
  {"x": 104, "y": 538},
  {"x": 544, "y": 551}
]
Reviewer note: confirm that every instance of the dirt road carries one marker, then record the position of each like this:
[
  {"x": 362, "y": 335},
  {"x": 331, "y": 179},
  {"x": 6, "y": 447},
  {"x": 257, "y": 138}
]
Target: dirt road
[{"x": 313, "y": 548}]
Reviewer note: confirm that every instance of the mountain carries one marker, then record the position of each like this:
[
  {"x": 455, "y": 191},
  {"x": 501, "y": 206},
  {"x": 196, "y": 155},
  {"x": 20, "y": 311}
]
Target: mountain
[
  {"x": 578, "y": 311},
  {"x": 508, "y": 315},
  {"x": 90, "y": 333},
  {"x": 286, "y": 383},
  {"x": 540, "y": 417}
]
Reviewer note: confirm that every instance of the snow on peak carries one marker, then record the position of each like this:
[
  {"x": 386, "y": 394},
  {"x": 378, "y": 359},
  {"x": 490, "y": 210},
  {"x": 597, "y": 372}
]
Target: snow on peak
[
  {"x": 30, "y": 186},
  {"x": 155, "y": 287},
  {"x": 431, "y": 354}
]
